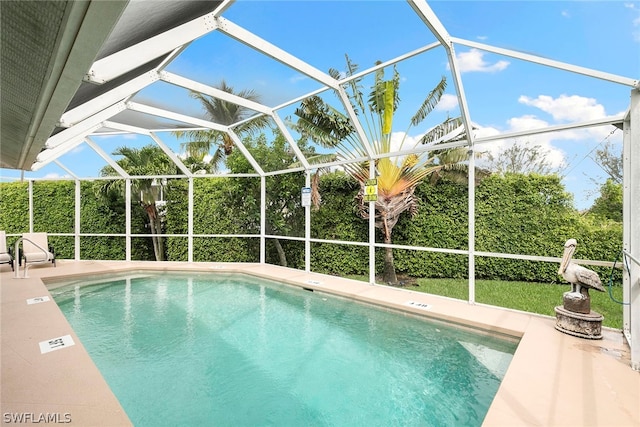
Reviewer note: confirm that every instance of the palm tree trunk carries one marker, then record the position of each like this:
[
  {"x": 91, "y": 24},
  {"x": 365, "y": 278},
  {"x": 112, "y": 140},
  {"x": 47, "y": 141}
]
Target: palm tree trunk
[
  {"x": 281, "y": 254},
  {"x": 159, "y": 244},
  {"x": 389, "y": 274},
  {"x": 227, "y": 144},
  {"x": 156, "y": 229}
]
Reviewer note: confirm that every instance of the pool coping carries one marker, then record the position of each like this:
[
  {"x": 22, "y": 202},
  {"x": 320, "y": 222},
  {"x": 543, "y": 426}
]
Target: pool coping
[{"x": 554, "y": 379}]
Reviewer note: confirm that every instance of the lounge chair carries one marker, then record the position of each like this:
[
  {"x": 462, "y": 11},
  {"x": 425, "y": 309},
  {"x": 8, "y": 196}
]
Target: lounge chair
[
  {"x": 36, "y": 249},
  {"x": 6, "y": 256}
]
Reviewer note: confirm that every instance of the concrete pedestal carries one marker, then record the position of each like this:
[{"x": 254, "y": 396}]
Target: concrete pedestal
[
  {"x": 579, "y": 324},
  {"x": 577, "y": 302}
]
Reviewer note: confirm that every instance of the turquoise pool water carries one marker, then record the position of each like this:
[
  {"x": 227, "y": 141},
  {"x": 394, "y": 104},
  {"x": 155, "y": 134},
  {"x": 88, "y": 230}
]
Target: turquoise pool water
[{"x": 232, "y": 350}]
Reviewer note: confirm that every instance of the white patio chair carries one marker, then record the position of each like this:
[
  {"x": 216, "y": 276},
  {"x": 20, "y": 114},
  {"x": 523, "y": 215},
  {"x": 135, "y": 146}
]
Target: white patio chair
[
  {"x": 6, "y": 256},
  {"x": 36, "y": 249}
]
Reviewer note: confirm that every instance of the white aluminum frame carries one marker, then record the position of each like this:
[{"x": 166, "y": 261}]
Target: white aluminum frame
[
  {"x": 87, "y": 119},
  {"x": 631, "y": 228}
]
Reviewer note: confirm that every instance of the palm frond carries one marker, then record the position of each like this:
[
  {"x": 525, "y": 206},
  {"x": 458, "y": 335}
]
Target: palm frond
[
  {"x": 388, "y": 174},
  {"x": 200, "y": 147},
  {"x": 355, "y": 94},
  {"x": 352, "y": 67},
  {"x": 452, "y": 127},
  {"x": 200, "y": 142},
  {"x": 322, "y": 123},
  {"x": 316, "y": 160},
  {"x": 397, "y": 176},
  {"x": 308, "y": 126},
  {"x": 335, "y": 74},
  {"x": 359, "y": 171},
  {"x": 376, "y": 96},
  {"x": 452, "y": 156},
  {"x": 217, "y": 159},
  {"x": 253, "y": 126},
  {"x": 430, "y": 102}
]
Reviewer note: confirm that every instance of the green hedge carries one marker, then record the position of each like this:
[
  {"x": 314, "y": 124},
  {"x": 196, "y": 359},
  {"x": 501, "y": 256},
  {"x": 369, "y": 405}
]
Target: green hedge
[
  {"x": 212, "y": 215},
  {"x": 337, "y": 220},
  {"x": 98, "y": 215},
  {"x": 14, "y": 207},
  {"x": 53, "y": 212},
  {"x": 529, "y": 215},
  {"x": 441, "y": 222}
]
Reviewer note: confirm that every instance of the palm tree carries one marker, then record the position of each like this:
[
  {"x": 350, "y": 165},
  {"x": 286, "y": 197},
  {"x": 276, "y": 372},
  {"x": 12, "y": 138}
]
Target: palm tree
[
  {"x": 397, "y": 177},
  {"x": 148, "y": 160},
  {"x": 200, "y": 142}
]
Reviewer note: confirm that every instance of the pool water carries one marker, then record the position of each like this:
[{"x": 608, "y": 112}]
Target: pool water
[{"x": 233, "y": 350}]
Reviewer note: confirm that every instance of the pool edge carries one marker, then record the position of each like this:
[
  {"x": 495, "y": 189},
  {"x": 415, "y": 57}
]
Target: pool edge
[{"x": 553, "y": 379}]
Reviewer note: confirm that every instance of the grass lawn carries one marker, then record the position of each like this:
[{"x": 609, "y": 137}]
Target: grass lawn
[{"x": 539, "y": 298}]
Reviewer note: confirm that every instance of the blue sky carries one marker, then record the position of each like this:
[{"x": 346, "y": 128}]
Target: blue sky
[{"x": 504, "y": 94}]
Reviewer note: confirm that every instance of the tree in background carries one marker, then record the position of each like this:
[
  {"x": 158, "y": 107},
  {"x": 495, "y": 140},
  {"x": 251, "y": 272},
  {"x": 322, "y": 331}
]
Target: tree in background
[
  {"x": 521, "y": 158},
  {"x": 610, "y": 160},
  {"x": 609, "y": 204},
  {"x": 200, "y": 142},
  {"x": 397, "y": 177},
  {"x": 149, "y": 160},
  {"x": 284, "y": 213}
]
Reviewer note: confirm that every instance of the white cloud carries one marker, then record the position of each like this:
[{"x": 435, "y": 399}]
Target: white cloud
[
  {"x": 566, "y": 108},
  {"x": 526, "y": 122},
  {"x": 484, "y": 131},
  {"x": 473, "y": 60},
  {"x": 636, "y": 34},
  {"x": 555, "y": 156},
  {"x": 565, "y": 14},
  {"x": 53, "y": 175},
  {"x": 447, "y": 102},
  {"x": 570, "y": 109},
  {"x": 78, "y": 149},
  {"x": 298, "y": 78},
  {"x": 117, "y": 135},
  {"x": 563, "y": 109},
  {"x": 402, "y": 141},
  {"x": 636, "y": 22}
]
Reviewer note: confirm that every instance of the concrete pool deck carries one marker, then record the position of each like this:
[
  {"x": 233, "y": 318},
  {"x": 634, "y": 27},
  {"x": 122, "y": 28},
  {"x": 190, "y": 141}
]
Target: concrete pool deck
[{"x": 553, "y": 380}]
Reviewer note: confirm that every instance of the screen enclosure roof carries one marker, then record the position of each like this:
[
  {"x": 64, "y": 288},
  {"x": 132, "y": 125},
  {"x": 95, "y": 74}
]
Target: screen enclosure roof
[{"x": 76, "y": 72}]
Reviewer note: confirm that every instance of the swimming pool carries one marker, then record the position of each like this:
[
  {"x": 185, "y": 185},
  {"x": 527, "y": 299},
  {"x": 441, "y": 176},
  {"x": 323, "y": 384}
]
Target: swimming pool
[{"x": 217, "y": 349}]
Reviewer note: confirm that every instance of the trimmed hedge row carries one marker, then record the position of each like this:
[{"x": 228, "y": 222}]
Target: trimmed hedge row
[
  {"x": 54, "y": 212},
  {"x": 515, "y": 214},
  {"x": 529, "y": 215}
]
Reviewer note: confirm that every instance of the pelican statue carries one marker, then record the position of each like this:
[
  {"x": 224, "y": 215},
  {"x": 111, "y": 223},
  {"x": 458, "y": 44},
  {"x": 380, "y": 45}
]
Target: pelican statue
[
  {"x": 575, "y": 317},
  {"x": 579, "y": 277}
]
